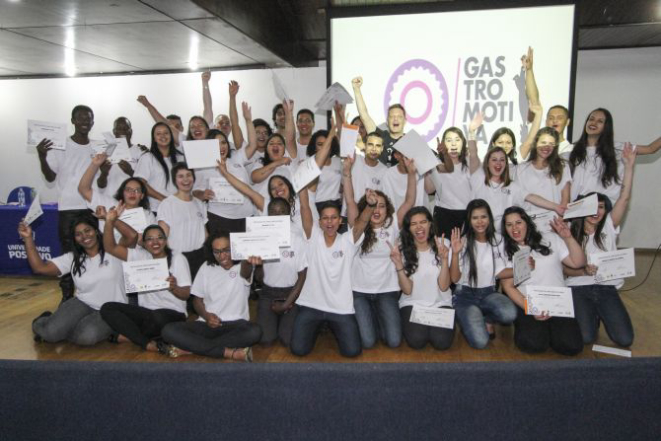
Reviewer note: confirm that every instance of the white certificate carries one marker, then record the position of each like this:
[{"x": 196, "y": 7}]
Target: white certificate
[
  {"x": 336, "y": 92},
  {"x": 276, "y": 226},
  {"x": 54, "y": 132},
  {"x": 101, "y": 146},
  {"x": 552, "y": 300},
  {"x": 119, "y": 151},
  {"x": 34, "y": 211},
  {"x": 522, "y": 268},
  {"x": 146, "y": 275},
  {"x": 135, "y": 218},
  {"x": 109, "y": 138},
  {"x": 348, "y": 140},
  {"x": 543, "y": 221},
  {"x": 438, "y": 317},
  {"x": 245, "y": 245},
  {"x": 279, "y": 88},
  {"x": 585, "y": 207},
  {"x": 202, "y": 154},
  {"x": 613, "y": 264},
  {"x": 414, "y": 147},
  {"x": 306, "y": 172},
  {"x": 224, "y": 192}
]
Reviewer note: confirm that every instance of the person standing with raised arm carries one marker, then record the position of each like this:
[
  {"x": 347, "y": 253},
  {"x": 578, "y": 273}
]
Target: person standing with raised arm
[
  {"x": 66, "y": 168},
  {"x": 396, "y": 122},
  {"x": 305, "y": 126}
]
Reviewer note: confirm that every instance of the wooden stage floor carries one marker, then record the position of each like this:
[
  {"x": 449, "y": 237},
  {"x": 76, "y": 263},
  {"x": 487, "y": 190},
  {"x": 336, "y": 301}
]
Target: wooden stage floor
[{"x": 22, "y": 299}]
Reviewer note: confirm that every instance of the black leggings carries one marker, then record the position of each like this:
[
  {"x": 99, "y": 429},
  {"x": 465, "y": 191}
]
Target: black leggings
[{"x": 138, "y": 324}]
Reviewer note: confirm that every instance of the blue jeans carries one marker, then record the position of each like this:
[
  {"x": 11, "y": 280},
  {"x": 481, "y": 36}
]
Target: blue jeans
[
  {"x": 378, "y": 315},
  {"x": 307, "y": 324},
  {"x": 475, "y": 306},
  {"x": 602, "y": 302}
]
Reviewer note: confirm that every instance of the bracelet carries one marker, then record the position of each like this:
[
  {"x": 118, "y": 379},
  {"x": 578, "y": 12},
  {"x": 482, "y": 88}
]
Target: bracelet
[{"x": 398, "y": 270}]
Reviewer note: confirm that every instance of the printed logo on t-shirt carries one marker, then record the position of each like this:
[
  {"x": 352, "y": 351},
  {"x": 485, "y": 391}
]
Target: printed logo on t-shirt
[
  {"x": 338, "y": 254},
  {"x": 287, "y": 253},
  {"x": 236, "y": 165},
  {"x": 376, "y": 181},
  {"x": 383, "y": 234},
  {"x": 105, "y": 263},
  {"x": 505, "y": 190},
  {"x": 200, "y": 215},
  {"x": 232, "y": 274}
]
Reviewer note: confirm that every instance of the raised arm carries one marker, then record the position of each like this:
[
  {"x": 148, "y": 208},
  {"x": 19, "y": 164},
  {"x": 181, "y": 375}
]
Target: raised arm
[
  {"x": 252, "y": 134},
  {"x": 411, "y": 190},
  {"x": 237, "y": 134},
  {"x": 290, "y": 128},
  {"x": 448, "y": 164},
  {"x": 367, "y": 120},
  {"x": 262, "y": 174},
  {"x": 363, "y": 219},
  {"x": 444, "y": 257},
  {"x": 649, "y": 149},
  {"x": 537, "y": 111},
  {"x": 456, "y": 245},
  {"x": 620, "y": 206},
  {"x": 109, "y": 244},
  {"x": 532, "y": 93},
  {"x": 576, "y": 258},
  {"x": 322, "y": 155},
  {"x": 85, "y": 184},
  {"x": 157, "y": 116},
  {"x": 39, "y": 266},
  {"x": 306, "y": 213},
  {"x": 241, "y": 186},
  {"x": 207, "y": 111},
  {"x": 347, "y": 188},
  {"x": 42, "y": 151},
  {"x": 405, "y": 283},
  {"x": 474, "y": 162}
]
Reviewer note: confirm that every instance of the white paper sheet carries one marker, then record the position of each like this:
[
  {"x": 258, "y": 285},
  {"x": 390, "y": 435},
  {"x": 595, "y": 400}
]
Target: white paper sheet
[
  {"x": 336, "y": 92},
  {"x": 135, "y": 218},
  {"x": 55, "y": 132},
  {"x": 613, "y": 264},
  {"x": 543, "y": 221},
  {"x": 522, "y": 270},
  {"x": 348, "y": 140},
  {"x": 245, "y": 245},
  {"x": 306, "y": 172},
  {"x": 109, "y": 138},
  {"x": 552, "y": 300},
  {"x": 146, "y": 275},
  {"x": 224, "y": 192},
  {"x": 202, "y": 154},
  {"x": 276, "y": 226},
  {"x": 438, "y": 317},
  {"x": 613, "y": 351},
  {"x": 414, "y": 147},
  {"x": 34, "y": 211},
  {"x": 585, "y": 207},
  {"x": 119, "y": 151},
  {"x": 279, "y": 88}
]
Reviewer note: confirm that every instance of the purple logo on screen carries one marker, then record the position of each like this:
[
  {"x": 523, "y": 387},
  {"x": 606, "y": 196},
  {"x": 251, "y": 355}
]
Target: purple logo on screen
[{"x": 425, "y": 114}]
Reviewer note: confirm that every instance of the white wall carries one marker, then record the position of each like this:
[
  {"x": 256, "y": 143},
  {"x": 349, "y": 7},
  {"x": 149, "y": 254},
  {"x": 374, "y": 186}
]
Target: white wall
[
  {"x": 628, "y": 83},
  {"x": 113, "y": 96}
]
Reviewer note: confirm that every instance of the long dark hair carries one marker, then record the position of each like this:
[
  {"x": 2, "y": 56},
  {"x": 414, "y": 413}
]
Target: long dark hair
[
  {"x": 407, "y": 242},
  {"x": 168, "y": 250},
  {"x": 605, "y": 150},
  {"x": 211, "y": 134},
  {"x": 555, "y": 163},
  {"x": 505, "y": 177},
  {"x": 144, "y": 202},
  {"x": 292, "y": 192},
  {"x": 505, "y": 131},
  {"x": 79, "y": 254},
  {"x": 172, "y": 151},
  {"x": 578, "y": 224},
  {"x": 533, "y": 237},
  {"x": 370, "y": 236},
  {"x": 189, "y": 135},
  {"x": 266, "y": 160},
  {"x": 463, "y": 155},
  {"x": 311, "y": 149},
  {"x": 469, "y": 234}
]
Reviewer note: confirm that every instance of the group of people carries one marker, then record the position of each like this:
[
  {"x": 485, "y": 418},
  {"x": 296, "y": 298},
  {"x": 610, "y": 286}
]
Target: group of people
[{"x": 365, "y": 250}]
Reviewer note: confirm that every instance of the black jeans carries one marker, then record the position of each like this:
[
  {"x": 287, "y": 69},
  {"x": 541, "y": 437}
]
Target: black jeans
[
  {"x": 275, "y": 325},
  {"x": 138, "y": 324},
  {"x": 417, "y": 336},
  {"x": 65, "y": 219},
  {"x": 216, "y": 224},
  {"x": 562, "y": 334},
  {"x": 198, "y": 338}
]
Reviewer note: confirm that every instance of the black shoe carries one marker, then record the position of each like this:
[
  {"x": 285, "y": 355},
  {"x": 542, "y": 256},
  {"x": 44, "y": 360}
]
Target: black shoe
[
  {"x": 113, "y": 338},
  {"x": 38, "y": 338}
]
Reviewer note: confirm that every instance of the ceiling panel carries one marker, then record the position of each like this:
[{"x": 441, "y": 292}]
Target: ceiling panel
[
  {"x": 147, "y": 46},
  {"x": 620, "y": 36},
  {"x": 179, "y": 9}
]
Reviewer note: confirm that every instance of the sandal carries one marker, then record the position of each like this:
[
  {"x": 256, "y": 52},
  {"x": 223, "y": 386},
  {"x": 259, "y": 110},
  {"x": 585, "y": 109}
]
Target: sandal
[{"x": 247, "y": 354}]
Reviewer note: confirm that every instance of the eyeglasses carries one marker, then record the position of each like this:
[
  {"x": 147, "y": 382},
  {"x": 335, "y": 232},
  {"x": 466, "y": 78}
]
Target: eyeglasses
[
  {"x": 132, "y": 190},
  {"x": 221, "y": 251}
]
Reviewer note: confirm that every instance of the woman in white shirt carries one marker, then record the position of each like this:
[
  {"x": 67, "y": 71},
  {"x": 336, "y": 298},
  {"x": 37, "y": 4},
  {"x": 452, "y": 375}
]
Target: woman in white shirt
[
  {"x": 142, "y": 324},
  {"x": 536, "y": 333},
  {"x": 328, "y": 184},
  {"x": 183, "y": 218},
  {"x": 154, "y": 167},
  {"x": 97, "y": 277},
  {"x": 423, "y": 275},
  {"x": 477, "y": 261},
  {"x": 595, "y": 300},
  {"x": 374, "y": 282},
  {"x": 220, "y": 297}
]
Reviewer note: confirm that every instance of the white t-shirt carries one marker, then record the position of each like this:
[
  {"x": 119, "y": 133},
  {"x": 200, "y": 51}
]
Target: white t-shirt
[
  {"x": 69, "y": 166},
  {"x": 282, "y": 170},
  {"x": 150, "y": 170},
  {"x": 283, "y": 273},
  {"x": 532, "y": 180},
  {"x": 164, "y": 299},
  {"x": 100, "y": 282},
  {"x": 108, "y": 202},
  {"x": 374, "y": 272},
  {"x": 301, "y": 152},
  {"x": 497, "y": 196},
  {"x": 187, "y": 220},
  {"x": 234, "y": 166},
  {"x": 609, "y": 239},
  {"x": 426, "y": 291},
  {"x": 254, "y": 162},
  {"x": 395, "y": 184},
  {"x": 116, "y": 175},
  {"x": 548, "y": 269},
  {"x": 587, "y": 175},
  {"x": 364, "y": 176},
  {"x": 328, "y": 283},
  {"x": 330, "y": 179},
  {"x": 565, "y": 147},
  {"x": 225, "y": 292},
  {"x": 453, "y": 190},
  {"x": 489, "y": 260}
]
